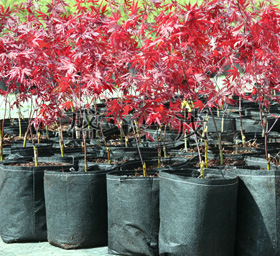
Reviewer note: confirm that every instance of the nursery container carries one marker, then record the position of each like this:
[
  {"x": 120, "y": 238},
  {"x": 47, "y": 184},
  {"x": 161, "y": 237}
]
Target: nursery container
[
  {"x": 133, "y": 213},
  {"x": 44, "y": 149},
  {"x": 76, "y": 208},
  {"x": 254, "y": 125},
  {"x": 170, "y": 163},
  {"x": 126, "y": 152},
  {"x": 258, "y": 223},
  {"x": 225, "y": 124},
  {"x": 22, "y": 202},
  {"x": 197, "y": 216},
  {"x": 92, "y": 165}
]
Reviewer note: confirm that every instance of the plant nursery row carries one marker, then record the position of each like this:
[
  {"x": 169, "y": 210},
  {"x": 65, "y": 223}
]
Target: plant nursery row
[{"x": 152, "y": 129}]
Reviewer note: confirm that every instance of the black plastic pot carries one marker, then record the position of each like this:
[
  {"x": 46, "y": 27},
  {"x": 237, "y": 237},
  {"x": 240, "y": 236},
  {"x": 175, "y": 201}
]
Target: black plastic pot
[
  {"x": 76, "y": 209},
  {"x": 258, "y": 223},
  {"x": 22, "y": 203},
  {"x": 133, "y": 213},
  {"x": 197, "y": 216}
]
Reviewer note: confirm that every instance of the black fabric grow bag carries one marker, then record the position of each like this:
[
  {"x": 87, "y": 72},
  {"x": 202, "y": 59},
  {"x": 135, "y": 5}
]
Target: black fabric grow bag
[
  {"x": 228, "y": 124},
  {"x": 97, "y": 166},
  {"x": 126, "y": 152},
  {"x": 197, "y": 216},
  {"x": 260, "y": 161},
  {"x": 168, "y": 136},
  {"x": 258, "y": 221},
  {"x": 22, "y": 203},
  {"x": 133, "y": 214},
  {"x": 71, "y": 146},
  {"x": 169, "y": 163},
  {"x": 76, "y": 209},
  {"x": 44, "y": 149},
  {"x": 11, "y": 126},
  {"x": 249, "y": 125}
]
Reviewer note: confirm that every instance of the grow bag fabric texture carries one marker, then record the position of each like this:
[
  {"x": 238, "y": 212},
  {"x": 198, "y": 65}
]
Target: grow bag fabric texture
[
  {"x": 76, "y": 209},
  {"x": 133, "y": 214},
  {"x": 197, "y": 216},
  {"x": 44, "y": 149},
  {"x": 22, "y": 202},
  {"x": 170, "y": 163},
  {"x": 126, "y": 153},
  {"x": 22, "y": 205},
  {"x": 227, "y": 123},
  {"x": 97, "y": 166},
  {"x": 258, "y": 214}
]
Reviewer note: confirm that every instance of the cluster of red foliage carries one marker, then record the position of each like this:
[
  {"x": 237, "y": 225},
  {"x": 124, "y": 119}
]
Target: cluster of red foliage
[{"x": 154, "y": 56}]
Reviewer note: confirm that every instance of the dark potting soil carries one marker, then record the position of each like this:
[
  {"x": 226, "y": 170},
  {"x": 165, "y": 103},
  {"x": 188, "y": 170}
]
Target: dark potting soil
[
  {"x": 227, "y": 161},
  {"x": 156, "y": 166},
  {"x": 115, "y": 143},
  {"x": 139, "y": 171},
  {"x": 105, "y": 161},
  {"x": 151, "y": 168},
  {"x": 181, "y": 155},
  {"x": 141, "y": 175},
  {"x": 32, "y": 164},
  {"x": 54, "y": 127},
  {"x": 130, "y": 136},
  {"x": 276, "y": 159},
  {"x": 12, "y": 138},
  {"x": 225, "y": 151},
  {"x": 231, "y": 152}
]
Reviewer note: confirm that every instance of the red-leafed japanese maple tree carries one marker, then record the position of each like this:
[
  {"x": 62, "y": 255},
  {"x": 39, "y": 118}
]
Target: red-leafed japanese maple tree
[{"x": 154, "y": 56}]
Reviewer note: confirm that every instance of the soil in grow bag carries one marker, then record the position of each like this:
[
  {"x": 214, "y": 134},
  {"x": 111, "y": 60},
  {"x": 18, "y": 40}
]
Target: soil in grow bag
[
  {"x": 170, "y": 163},
  {"x": 98, "y": 165}
]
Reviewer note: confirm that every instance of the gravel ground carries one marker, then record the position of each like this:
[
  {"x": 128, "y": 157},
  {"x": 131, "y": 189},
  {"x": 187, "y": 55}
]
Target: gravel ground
[{"x": 45, "y": 249}]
